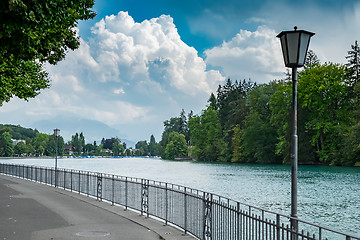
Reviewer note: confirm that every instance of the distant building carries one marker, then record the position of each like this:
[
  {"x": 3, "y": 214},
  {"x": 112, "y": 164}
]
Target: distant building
[
  {"x": 69, "y": 149},
  {"x": 16, "y": 141}
]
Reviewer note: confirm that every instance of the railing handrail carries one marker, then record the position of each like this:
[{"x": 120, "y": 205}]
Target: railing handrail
[{"x": 202, "y": 196}]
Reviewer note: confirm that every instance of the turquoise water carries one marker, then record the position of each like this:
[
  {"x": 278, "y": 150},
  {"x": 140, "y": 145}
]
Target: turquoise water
[{"x": 329, "y": 196}]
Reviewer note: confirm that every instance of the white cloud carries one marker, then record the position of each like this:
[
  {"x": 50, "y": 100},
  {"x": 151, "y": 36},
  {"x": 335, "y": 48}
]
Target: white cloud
[
  {"x": 336, "y": 28},
  {"x": 255, "y": 55},
  {"x": 129, "y": 75},
  {"x": 119, "y": 91},
  {"x": 150, "y": 51}
]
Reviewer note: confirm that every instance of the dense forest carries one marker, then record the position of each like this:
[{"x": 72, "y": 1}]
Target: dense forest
[{"x": 245, "y": 122}]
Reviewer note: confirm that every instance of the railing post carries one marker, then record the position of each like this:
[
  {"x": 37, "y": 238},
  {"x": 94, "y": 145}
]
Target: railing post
[
  {"x": 56, "y": 177},
  {"x": 166, "y": 203},
  {"x": 87, "y": 182},
  {"x": 99, "y": 187},
  {"x": 185, "y": 210},
  {"x": 70, "y": 180},
  {"x": 126, "y": 193},
  {"x": 46, "y": 174},
  {"x": 113, "y": 190},
  {"x": 145, "y": 197},
  {"x": 238, "y": 219},
  {"x": 294, "y": 228},
  {"x": 64, "y": 179},
  {"x": 79, "y": 181},
  {"x": 207, "y": 232},
  {"x": 277, "y": 227}
]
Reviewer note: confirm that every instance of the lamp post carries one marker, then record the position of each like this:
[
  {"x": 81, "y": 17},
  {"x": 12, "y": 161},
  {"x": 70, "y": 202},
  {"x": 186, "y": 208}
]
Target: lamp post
[
  {"x": 56, "y": 134},
  {"x": 294, "y": 46}
]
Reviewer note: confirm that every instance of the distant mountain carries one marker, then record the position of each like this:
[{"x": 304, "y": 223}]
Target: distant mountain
[{"x": 92, "y": 130}]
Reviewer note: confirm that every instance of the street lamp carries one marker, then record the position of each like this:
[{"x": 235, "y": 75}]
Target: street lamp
[
  {"x": 294, "y": 46},
  {"x": 56, "y": 134}
]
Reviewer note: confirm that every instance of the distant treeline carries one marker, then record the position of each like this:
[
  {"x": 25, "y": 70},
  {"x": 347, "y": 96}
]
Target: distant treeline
[
  {"x": 247, "y": 122},
  {"x": 20, "y": 141}
]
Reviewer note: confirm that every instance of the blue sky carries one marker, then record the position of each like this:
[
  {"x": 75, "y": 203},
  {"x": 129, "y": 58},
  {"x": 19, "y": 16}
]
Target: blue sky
[{"x": 140, "y": 62}]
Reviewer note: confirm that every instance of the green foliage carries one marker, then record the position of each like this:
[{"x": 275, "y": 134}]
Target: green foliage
[
  {"x": 20, "y": 149},
  {"x": 117, "y": 148},
  {"x": 50, "y": 149},
  {"x": 31, "y": 33},
  {"x": 42, "y": 30},
  {"x": 6, "y": 145},
  {"x": 311, "y": 59},
  {"x": 78, "y": 142},
  {"x": 23, "y": 79},
  {"x": 206, "y": 136},
  {"x": 259, "y": 136},
  {"x": 323, "y": 93},
  {"x": 152, "y": 146},
  {"x": 89, "y": 148},
  {"x": 40, "y": 143},
  {"x": 232, "y": 110},
  {"x": 175, "y": 124},
  {"x": 353, "y": 65},
  {"x": 143, "y": 148},
  {"x": 176, "y": 147},
  {"x": 18, "y": 132}
]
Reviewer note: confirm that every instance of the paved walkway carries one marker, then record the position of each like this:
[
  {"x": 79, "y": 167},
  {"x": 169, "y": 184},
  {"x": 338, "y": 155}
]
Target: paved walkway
[{"x": 36, "y": 211}]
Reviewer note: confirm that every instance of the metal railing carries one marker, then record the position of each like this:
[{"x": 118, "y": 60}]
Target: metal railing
[{"x": 201, "y": 214}]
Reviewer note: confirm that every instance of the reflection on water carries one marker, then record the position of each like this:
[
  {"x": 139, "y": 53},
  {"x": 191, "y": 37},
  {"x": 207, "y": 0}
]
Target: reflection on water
[{"x": 328, "y": 196}]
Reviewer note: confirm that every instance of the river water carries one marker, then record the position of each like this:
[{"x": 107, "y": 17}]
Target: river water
[{"x": 329, "y": 196}]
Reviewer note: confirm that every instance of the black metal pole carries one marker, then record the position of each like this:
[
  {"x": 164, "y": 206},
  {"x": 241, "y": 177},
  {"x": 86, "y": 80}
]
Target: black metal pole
[
  {"x": 294, "y": 156},
  {"x": 56, "y": 153}
]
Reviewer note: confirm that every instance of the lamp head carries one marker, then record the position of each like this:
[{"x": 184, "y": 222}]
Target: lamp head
[{"x": 294, "y": 46}]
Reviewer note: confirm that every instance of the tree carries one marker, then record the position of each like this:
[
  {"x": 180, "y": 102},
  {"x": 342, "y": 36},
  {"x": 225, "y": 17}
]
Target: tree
[
  {"x": 76, "y": 143},
  {"x": 50, "y": 149},
  {"x": 30, "y": 150},
  {"x": 258, "y": 138},
  {"x": 143, "y": 148},
  {"x": 6, "y": 145},
  {"x": 213, "y": 102},
  {"x": 127, "y": 152},
  {"x": 82, "y": 142},
  {"x": 117, "y": 148},
  {"x": 32, "y": 33},
  {"x": 23, "y": 79},
  {"x": 232, "y": 109},
  {"x": 183, "y": 128},
  {"x": 89, "y": 148},
  {"x": 206, "y": 136},
  {"x": 324, "y": 94},
  {"x": 40, "y": 142},
  {"x": 311, "y": 59},
  {"x": 175, "y": 124},
  {"x": 353, "y": 64},
  {"x": 152, "y": 146},
  {"x": 280, "y": 106},
  {"x": 18, "y": 132},
  {"x": 20, "y": 148},
  {"x": 176, "y": 147},
  {"x": 99, "y": 150},
  {"x": 109, "y": 142}
]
